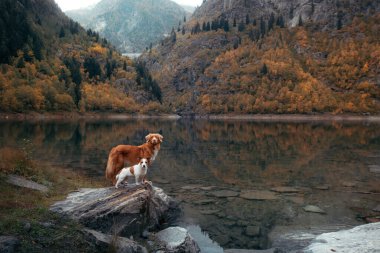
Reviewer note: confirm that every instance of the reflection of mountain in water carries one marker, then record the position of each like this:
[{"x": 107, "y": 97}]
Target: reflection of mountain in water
[{"x": 323, "y": 164}]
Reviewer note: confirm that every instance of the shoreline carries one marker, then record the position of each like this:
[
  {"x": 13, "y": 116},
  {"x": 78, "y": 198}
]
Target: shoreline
[{"x": 232, "y": 117}]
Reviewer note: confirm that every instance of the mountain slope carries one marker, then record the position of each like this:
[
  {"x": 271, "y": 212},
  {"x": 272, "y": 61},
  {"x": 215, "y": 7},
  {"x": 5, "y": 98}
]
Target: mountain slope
[
  {"x": 241, "y": 56},
  {"x": 131, "y": 25},
  {"x": 50, "y": 63}
]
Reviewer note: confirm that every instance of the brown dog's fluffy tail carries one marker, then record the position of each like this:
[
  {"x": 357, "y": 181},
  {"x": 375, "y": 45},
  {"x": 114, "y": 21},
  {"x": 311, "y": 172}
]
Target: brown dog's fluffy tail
[{"x": 109, "y": 169}]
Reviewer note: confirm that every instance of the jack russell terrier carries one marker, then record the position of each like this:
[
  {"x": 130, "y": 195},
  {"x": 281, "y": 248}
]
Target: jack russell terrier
[{"x": 138, "y": 171}]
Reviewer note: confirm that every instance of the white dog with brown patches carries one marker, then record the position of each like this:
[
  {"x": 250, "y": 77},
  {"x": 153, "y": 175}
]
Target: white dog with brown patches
[{"x": 138, "y": 171}]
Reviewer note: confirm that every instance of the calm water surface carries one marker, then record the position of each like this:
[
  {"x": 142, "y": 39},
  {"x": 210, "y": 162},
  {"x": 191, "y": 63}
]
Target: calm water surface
[{"x": 218, "y": 170}]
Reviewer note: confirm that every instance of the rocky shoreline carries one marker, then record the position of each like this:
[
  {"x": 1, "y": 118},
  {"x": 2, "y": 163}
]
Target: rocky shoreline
[{"x": 139, "y": 219}]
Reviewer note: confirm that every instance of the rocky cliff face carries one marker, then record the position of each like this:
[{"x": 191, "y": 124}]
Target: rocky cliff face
[
  {"x": 131, "y": 25},
  {"x": 271, "y": 57},
  {"x": 325, "y": 12}
]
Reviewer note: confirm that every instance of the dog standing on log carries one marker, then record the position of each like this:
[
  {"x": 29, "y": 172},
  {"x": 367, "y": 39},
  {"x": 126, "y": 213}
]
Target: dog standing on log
[{"x": 122, "y": 154}]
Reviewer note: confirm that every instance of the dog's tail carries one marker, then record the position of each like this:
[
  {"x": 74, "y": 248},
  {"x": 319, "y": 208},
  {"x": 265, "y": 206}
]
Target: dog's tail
[{"x": 109, "y": 168}]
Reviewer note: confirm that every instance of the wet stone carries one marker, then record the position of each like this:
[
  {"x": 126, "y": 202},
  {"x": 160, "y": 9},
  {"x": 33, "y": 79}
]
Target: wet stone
[
  {"x": 223, "y": 194},
  {"x": 205, "y": 201},
  {"x": 285, "y": 189},
  {"x": 313, "y": 209},
  {"x": 259, "y": 195},
  {"x": 208, "y": 188},
  {"x": 195, "y": 187}
]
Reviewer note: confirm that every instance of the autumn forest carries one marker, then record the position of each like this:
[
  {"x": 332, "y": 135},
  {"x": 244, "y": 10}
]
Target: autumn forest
[{"x": 49, "y": 63}]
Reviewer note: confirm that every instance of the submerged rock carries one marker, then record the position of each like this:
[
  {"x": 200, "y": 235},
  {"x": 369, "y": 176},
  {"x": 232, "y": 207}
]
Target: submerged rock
[
  {"x": 313, "y": 209},
  {"x": 285, "y": 189},
  {"x": 124, "y": 211},
  {"x": 363, "y": 239},
  {"x": 23, "y": 182},
  {"x": 177, "y": 240},
  {"x": 258, "y": 195},
  {"x": 119, "y": 244},
  {"x": 223, "y": 194}
]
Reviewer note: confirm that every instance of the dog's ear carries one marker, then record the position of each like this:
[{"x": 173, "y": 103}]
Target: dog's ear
[
  {"x": 160, "y": 137},
  {"x": 147, "y": 138}
]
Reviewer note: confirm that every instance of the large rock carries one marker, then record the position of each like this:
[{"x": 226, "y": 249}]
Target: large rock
[
  {"x": 118, "y": 244},
  {"x": 363, "y": 239},
  {"x": 8, "y": 244},
  {"x": 23, "y": 182},
  {"x": 125, "y": 211},
  {"x": 176, "y": 240}
]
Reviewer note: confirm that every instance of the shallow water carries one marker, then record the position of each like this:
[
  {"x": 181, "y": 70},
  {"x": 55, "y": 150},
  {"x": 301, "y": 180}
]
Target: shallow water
[{"x": 219, "y": 169}]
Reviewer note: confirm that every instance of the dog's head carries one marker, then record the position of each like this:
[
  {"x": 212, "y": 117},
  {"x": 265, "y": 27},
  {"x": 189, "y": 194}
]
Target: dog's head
[
  {"x": 144, "y": 163},
  {"x": 154, "y": 138}
]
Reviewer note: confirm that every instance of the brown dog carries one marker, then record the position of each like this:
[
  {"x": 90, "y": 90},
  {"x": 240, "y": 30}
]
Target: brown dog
[{"x": 132, "y": 155}]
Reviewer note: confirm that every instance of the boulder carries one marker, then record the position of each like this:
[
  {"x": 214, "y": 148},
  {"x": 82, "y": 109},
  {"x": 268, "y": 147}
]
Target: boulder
[
  {"x": 8, "y": 244},
  {"x": 125, "y": 211},
  {"x": 363, "y": 239},
  {"x": 23, "y": 182},
  {"x": 116, "y": 243},
  {"x": 176, "y": 240}
]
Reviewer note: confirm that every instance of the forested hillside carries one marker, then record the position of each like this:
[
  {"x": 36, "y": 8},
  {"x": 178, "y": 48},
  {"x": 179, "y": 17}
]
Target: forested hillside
[
  {"x": 50, "y": 63},
  {"x": 272, "y": 57}
]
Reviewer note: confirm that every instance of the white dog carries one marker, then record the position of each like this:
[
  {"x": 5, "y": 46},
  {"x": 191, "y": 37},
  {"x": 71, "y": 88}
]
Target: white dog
[{"x": 138, "y": 171}]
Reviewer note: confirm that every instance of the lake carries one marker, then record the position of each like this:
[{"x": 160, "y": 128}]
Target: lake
[{"x": 244, "y": 184}]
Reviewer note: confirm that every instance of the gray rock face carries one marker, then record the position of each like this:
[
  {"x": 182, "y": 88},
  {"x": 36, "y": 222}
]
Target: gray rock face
[
  {"x": 177, "y": 240},
  {"x": 120, "y": 244},
  {"x": 363, "y": 239},
  {"x": 8, "y": 244},
  {"x": 124, "y": 211},
  {"x": 323, "y": 12},
  {"x": 23, "y": 182},
  {"x": 131, "y": 25}
]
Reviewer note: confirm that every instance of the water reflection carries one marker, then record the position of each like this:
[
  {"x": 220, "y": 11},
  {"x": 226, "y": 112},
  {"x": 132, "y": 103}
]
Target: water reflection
[{"x": 326, "y": 163}]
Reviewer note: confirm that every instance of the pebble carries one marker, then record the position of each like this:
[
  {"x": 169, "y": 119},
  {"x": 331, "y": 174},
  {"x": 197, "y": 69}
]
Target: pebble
[{"x": 374, "y": 168}]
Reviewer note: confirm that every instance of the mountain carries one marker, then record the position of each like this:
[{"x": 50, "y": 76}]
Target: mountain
[
  {"x": 131, "y": 25},
  {"x": 302, "y": 56},
  {"x": 50, "y": 63}
]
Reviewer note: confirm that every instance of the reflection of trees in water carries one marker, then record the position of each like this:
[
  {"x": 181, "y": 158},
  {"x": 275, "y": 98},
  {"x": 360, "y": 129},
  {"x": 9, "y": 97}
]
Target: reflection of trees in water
[
  {"x": 246, "y": 153},
  {"x": 234, "y": 152}
]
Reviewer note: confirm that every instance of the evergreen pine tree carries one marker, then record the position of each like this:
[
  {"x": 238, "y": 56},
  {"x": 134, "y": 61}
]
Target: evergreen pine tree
[
  {"x": 264, "y": 69},
  {"x": 62, "y": 32}
]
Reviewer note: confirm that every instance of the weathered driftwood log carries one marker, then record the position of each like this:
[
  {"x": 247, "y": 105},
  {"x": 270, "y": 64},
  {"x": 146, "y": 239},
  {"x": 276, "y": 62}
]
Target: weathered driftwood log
[{"x": 125, "y": 211}]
